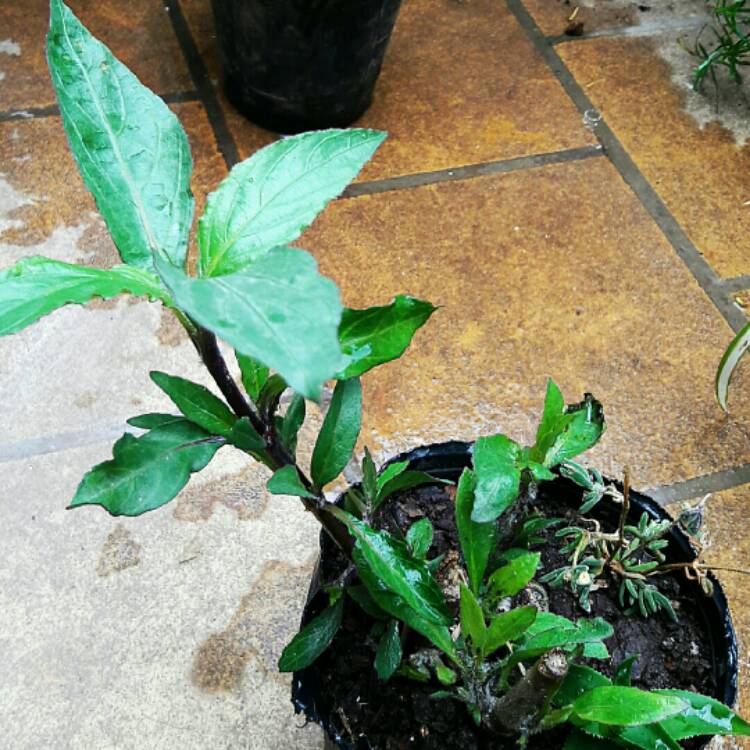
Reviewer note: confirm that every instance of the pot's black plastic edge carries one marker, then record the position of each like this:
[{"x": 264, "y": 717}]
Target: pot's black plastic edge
[{"x": 446, "y": 461}]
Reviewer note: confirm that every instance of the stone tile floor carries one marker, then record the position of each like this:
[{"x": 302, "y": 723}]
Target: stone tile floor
[{"x": 606, "y": 253}]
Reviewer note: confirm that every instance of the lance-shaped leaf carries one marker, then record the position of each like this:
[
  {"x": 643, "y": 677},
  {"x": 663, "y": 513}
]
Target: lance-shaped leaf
[
  {"x": 37, "y": 286},
  {"x": 498, "y": 476},
  {"x": 579, "y": 680},
  {"x": 376, "y": 335},
  {"x": 279, "y": 310},
  {"x": 293, "y": 419},
  {"x": 153, "y": 420},
  {"x": 419, "y": 538},
  {"x": 388, "y": 655},
  {"x": 254, "y": 375},
  {"x": 197, "y": 403},
  {"x": 729, "y": 362},
  {"x": 272, "y": 197},
  {"x": 287, "y": 481},
  {"x": 389, "y": 560},
  {"x": 473, "y": 627},
  {"x": 148, "y": 471},
  {"x": 564, "y": 432},
  {"x": 704, "y": 715},
  {"x": 477, "y": 539},
  {"x": 313, "y": 639},
  {"x": 512, "y": 577},
  {"x": 508, "y": 626},
  {"x": 131, "y": 150},
  {"x": 404, "y": 480},
  {"x": 626, "y": 706},
  {"x": 338, "y": 435}
]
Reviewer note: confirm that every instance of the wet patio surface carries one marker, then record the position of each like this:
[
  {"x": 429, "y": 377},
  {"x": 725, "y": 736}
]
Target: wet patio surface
[{"x": 574, "y": 209}]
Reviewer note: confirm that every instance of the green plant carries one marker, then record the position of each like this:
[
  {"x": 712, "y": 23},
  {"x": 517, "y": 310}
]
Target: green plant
[
  {"x": 515, "y": 666},
  {"x": 729, "y": 48}
]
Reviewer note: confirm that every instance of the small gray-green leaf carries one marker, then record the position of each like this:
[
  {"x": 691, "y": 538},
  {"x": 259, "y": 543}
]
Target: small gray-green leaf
[
  {"x": 272, "y": 197},
  {"x": 148, "y": 471},
  {"x": 376, "y": 335},
  {"x": 511, "y": 578},
  {"x": 130, "y": 148},
  {"x": 497, "y": 476},
  {"x": 37, "y": 286},
  {"x": 286, "y": 481},
  {"x": 254, "y": 375},
  {"x": 279, "y": 310},
  {"x": 419, "y": 538},
  {"x": 388, "y": 655},
  {"x": 477, "y": 539},
  {"x": 339, "y": 432},
  {"x": 197, "y": 403},
  {"x": 313, "y": 639},
  {"x": 626, "y": 706}
]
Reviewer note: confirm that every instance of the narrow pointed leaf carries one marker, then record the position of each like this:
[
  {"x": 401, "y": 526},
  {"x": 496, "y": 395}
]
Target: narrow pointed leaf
[
  {"x": 473, "y": 627},
  {"x": 729, "y": 362},
  {"x": 703, "y": 716},
  {"x": 339, "y": 432},
  {"x": 477, "y": 539},
  {"x": 272, "y": 197},
  {"x": 153, "y": 420},
  {"x": 403, "y": 481},
  {"x": 254, "y": 375},
  {"x": 388, "y": 656},
  {"x": 419, "y": 538},
  {"x": 389, "y": 472},
  {"x": 293, "y": 419},
  {"x": 245, "y": 437},
  {"x": 312, "y": 640},
  {"x": 280, "y": 311},
  {"x": 197, "y": 403},
  {"x": 579, "y": 680},
  {"x": 508, "y": 626},
  {"x": 286, "y": 481},
  {"x": 130, "y": 148},
  {"x": 148, "y": 471},
  {"x": 626, "y": 706},
  {"x": 512, "y": 577},
  {"x": 624, "y": 671},
  {"x": 547, "y": 431},
  {"x": 376, "y": 335},
  {"x": 37, "y": 286},
  {"x": 498, "y": 477}
]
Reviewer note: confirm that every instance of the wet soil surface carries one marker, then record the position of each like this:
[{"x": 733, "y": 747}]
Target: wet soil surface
[{"x": 400, "y": 713}]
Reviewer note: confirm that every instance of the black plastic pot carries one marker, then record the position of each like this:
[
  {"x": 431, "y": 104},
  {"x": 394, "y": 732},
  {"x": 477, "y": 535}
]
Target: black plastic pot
[
  {"x": 446, "y": 461},
  {"x": 294, "y": 65}
]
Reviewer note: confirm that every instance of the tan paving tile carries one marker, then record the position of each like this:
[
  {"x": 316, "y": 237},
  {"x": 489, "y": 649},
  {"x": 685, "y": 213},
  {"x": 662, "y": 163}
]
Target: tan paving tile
[
  {"x": 547, "y": 272},
  {"x": 727, "y": 516},
  {"x": 491, "y": 97},
  {"x": 38, "y": 167},
  {"x": 699, "y": 172},
  {"x": 138, "y": 32}
]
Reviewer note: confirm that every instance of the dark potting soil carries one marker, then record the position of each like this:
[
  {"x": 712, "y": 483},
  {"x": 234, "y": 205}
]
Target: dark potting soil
[{"x": 400, "y": 714}]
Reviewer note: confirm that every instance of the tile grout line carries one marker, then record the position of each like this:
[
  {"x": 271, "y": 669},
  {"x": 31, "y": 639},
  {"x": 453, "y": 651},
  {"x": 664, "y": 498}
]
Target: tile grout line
[
  {"x": 690, "y": 489},
  {"x": 633, "y": 32},
  {"x": 204, "y": 87},
  {"x": 621, "y": 160},
  {"x": 53, "y": 110},
  {"x": 470, "y": 171}
]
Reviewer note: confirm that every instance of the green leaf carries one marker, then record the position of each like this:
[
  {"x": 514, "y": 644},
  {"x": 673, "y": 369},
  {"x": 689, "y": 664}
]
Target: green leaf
[
  {"x": 396, "y": 606},
  {"x": 37, "y": 286},
  {"x": 286, "y": 481},
  {"x": 339, "y": 432},
  {"x": 362, "y": 596},
  {"x": 419, "y": 538},
  {"x": 564, "y": 432},
  {"x": 244, "y": 436},
  {"x": 624, "y": 671},
  {"x": 369, "y": 477},
  {"x": 508, "y": 626},
  {"x": 626, "y": 706},
  {"x": 388, "y": 656},
  {"x": 153, "y": 420},
  {"x": 254, "y": 375},
  {"x": 148, "y": 471},
  {"x": 497, "y": 476},
  {"x": 477, "y": 539},
  {"x": 270, "y": 394},
  {"x": 511, "y": 578},
  {"x": 197, "y": 403},
  {"x": 404, "y": 481},
  {"x": 578, "y": 740},
  {"x": 376, "y": 335},
  {"x": 703, "y": 715},
  {"x": 279, "y": 310},
  {"x": 130, "y": 148},
  {"x": 293, "y": 419},
  {"x": 389, "y": 472},
  {"x": 312, "y": 640},
  {"x": 272, "y": 197},
  {"x": 472, "y": 620},
  {"x": 728, "y": 364},
  {"x": 390, "y": 561},
  {"x": 552, "y": 631},
  {"x": 579, "y": 680}
]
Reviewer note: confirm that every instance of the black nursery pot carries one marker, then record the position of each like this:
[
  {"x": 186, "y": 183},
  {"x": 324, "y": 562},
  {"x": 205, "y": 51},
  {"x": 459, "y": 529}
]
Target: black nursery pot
[
  {"x": 447, "y": 461},
  {"x": 295, "y": 65}
]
